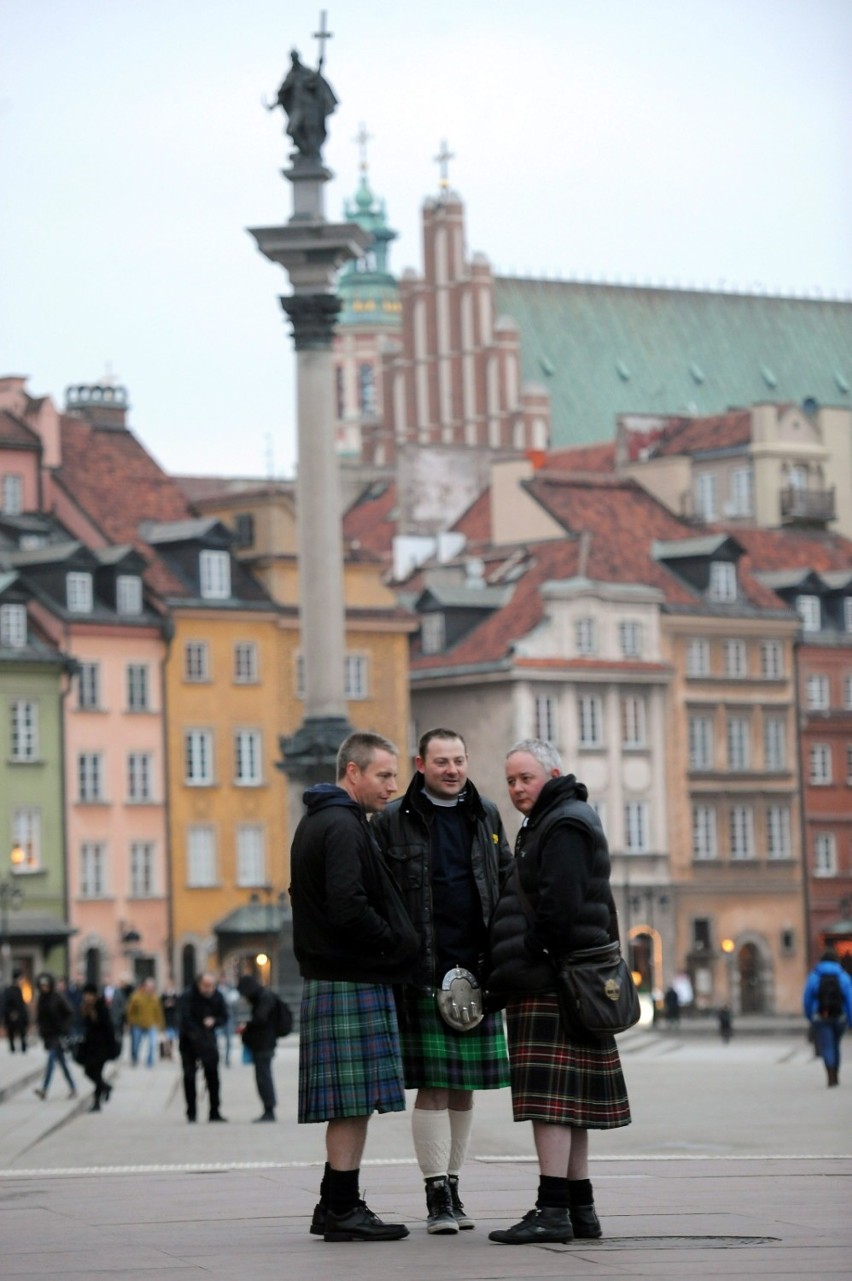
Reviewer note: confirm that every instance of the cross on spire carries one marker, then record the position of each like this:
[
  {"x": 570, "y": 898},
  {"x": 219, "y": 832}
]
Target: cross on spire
[
  {"x": 322, "y": 35},
  {"x": 362, "y": 138},
  {"x": 443, "y": 159}
]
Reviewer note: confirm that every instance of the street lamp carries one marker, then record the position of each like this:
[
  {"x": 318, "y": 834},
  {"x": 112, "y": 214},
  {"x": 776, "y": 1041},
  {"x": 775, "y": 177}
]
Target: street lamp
[
  {"x": 727, "y": 946},
  {"x": 11, "y": 896}
]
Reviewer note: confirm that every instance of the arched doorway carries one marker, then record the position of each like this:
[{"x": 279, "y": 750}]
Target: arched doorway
[
  {"x": 752, "y": 980},
  {"x": 93, "y": 966}
]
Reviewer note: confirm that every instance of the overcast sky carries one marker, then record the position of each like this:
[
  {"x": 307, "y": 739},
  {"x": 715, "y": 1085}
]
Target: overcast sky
[{"x": 672, "y": 141}]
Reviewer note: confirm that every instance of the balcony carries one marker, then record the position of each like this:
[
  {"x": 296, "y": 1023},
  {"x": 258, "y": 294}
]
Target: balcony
[{"x": 807, "y": 506}]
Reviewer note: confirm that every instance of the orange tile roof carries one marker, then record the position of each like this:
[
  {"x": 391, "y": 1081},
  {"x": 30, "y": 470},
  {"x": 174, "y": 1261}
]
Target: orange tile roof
[{"x": 368, "y": 523}]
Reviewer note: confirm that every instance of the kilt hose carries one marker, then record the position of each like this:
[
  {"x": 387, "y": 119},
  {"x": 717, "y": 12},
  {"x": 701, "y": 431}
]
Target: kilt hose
[
  {"x": 349, "y": 1059},
  {"x": 560, "y": 1081},
  {"x": 436, "y": 1057}
]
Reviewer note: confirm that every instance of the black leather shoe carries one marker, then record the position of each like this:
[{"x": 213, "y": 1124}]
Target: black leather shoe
[
  {"x": 544, "y": 1223},
  {"x": 267, "y": 1116},
  {"x": 217, "y": 1116},
  {"x": 584, "y": 1221},
  {"x": 318, "y": 1219},
  {"x": 360, "y": 1224}
]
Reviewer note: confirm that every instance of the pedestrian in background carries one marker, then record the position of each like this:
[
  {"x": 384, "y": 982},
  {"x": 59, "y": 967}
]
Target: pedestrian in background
[
  {"x": 445, "y": 846},
  {"x": 556, "y": 900},
  {"x": 53, "y": 1019},
  {"x": 145, "y": 1020},
  {"x": 16, "y": 1016},
  {"x": 827, "y": 1002},
  {"x": 259, "y": 1037},
  {"x": 98, "y": 1045},
  {"x": 169, "y": 1000},
  {"x": 200, "y": 1014}
]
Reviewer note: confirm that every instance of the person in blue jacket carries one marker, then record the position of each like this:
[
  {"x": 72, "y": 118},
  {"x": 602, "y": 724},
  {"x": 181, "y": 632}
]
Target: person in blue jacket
[{"x": 827, "y": 1002}]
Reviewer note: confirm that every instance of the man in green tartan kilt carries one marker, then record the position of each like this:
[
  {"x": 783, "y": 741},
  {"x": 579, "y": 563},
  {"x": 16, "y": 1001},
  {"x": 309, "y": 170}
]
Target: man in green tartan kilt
[{"x": 447, "y": 850}]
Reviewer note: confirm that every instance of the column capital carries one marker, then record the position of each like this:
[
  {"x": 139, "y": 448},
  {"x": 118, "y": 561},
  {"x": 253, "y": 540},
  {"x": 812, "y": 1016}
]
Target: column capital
[{"x": 313, "y": 317}]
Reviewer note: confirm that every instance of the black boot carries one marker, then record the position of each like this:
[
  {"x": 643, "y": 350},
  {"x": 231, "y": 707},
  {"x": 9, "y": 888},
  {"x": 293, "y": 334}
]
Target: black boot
[
  {"x": 462, "y": 1218},
  {"x": 546, "y": 1223},
  {"x": 439, "y": 1203}
]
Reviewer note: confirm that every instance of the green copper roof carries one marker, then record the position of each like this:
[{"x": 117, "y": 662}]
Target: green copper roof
[
  {"x": 368, "y": 291},
  {"x": 604, "y": 350}
]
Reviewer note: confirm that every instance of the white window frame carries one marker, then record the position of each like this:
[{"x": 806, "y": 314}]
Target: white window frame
[
  {"x": 214, "y": 575},
  {"x": 143, "y": 869},
  {"x": 698, "y": 656},
  {"x": 251, "y": 855},
  {"x": 93, "y": 870},
  {"x": 774, "y": 744},
  {"x": 246, "y": 667},
  {"x": 634, "y": 717},
  {"x": 138, "y": 687},
  {"x": 704, "y": 488},
  {"x": 778, "y": 833},
  {"x": 738, "y": 736},
  {"x": 26, "y": 834},
  {"x": 820, "y": 772},
  {"x": 24, "y": 730},
  {"x": 590, "y": 720},
  {"x": 356, "y": 676},
  {"x": 248, "y": 758},
  {"x": 196, "y": 661},
  {"x": 771, "y": 660},
  {"x": 723, "y": 581},
  {"x": 13, "y": 626},
  {"x": 636, "y": 833},
  {"x": 433, "y": 632},
  {"x": 90, "y": 778},
  {"x": 809, "y": 609},
  {"x": 630, "y": 638},
  {"x": 701, "y": 745},
  {"x": 586, "y": 637},
  {"x": 202, "y": 871},
  {"x": 736, "y": 659},
  {"x": 198, "y": 765},
  {"x": 825, "y": 854},
  {"x": 140, "y": 777},
  {"x": 12, "y": 494},
  {"x": 742, "y": 491},
  {"x": 817, "y": 693},
  {"x": 128, "y": 594},
  {"x": 847, "y": 613},
  {"x": 89, "y": 687},
  {"x": 78, "y": 593},
  {"x": 741, "y": 832},
  {"x": 544, "y": 717},
  {"x": 705, "y": 847}
]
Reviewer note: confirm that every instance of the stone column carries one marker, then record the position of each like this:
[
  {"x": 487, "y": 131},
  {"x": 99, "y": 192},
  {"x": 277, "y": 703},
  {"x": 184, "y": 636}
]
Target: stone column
[{"x": 311, "y": 251}]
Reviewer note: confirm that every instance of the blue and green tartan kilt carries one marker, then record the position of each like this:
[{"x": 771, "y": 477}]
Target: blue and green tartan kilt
[
  {"x": 560, "y": 1081},
  {"x": 349, "y": 1059},
  {"x": 435, "y": 1056}
]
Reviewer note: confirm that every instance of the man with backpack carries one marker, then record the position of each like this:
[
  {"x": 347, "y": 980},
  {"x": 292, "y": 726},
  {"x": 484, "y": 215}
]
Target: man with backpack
[
  {"x": 270, "y": 1018},
  {"x": 827, "y": 1002}
]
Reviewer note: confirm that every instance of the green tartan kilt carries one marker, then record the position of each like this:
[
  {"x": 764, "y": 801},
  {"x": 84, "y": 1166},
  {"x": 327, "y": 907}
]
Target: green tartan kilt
[{"x": 434, "y": 1056}]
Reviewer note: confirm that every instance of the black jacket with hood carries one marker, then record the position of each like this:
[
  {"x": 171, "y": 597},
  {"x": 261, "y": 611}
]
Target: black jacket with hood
[{"x": 349, "y": 921}]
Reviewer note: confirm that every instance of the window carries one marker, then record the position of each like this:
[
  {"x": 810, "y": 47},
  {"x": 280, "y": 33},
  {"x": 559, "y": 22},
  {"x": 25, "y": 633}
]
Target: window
[
  {"x": 736, "y": 659},
  {"x": 432, "y": 633},
  {"x": 300, "y": 676},
  {"x": 198, "y": 757},
  {"x": 701, "y": 934},
  {"x": 544, "y": 724},
  {"x": 742, "y": 492},
  {"x": 778, "y": 832},
  {"x": 723, "y": 580},
  {"x": 137, "y": 687},
  {"x": 705, "y": 495},
  {"x": 630, "y": 637},
  {"x": 26, "y": 833},
  {"x": 808, "y": 609},
  {"x": 636, "y": 827},
  {"x": 24, "y": 730},
  {"x": 586, "y": 636},
  {"x": 215, "y": 575},
  {"x": 742, "y": 831},
  {"x": 771, "y": 660},
  {"x": 700, "y": 742},
  {"x": 12, "y": 494},
  {"x": 78, "y": 593},
  {"x": 340, "y": 391},
  {"x": 825, "y": 854},
  {"x": 139, "y": 776},
  {"x": 739, "y": 753},
  {"x": 849, "y": 764},
  {"x": 245, "y": 663},
  {"x": 774, "y": 743},
  {"x": 128, "y": 594},
  {"x": 244, "y": 529},
  {"x": 90, "y": 780},
  {"x": 817, "y": 694},
  {"x": 847, "y": 693},
  {"x": 698, "y": 657},
  {"x": 355, "y": 668},
  {"x": 820, "y": 762},
  {"x": 591, "y": 720},
  {"x": 251, "y": 855},
  {"x": 633, "y": 720},
  {"x": 247, "y": 757},
  {"x": 703, "y": 832},
  {"x": 92, "y": 869},
  {"x": 200, "y": 857},
  {"x": 142, "y": 869},
  {"x": 847, "y": 613},
  {"x": 366, "y": 389},
  {"x": 196, "y": 666},
  {"x": 13, "y": 626},
  {"x": 88, "y": 687}
]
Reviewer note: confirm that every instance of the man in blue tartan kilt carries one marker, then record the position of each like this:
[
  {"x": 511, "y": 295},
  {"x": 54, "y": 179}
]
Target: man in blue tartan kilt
[
  {"x": 353, "y": 940},
  {"x": 447, "y": 850}
]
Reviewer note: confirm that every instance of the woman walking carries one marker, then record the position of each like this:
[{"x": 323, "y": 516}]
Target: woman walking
[
  {"x": 98, "y": 1045},
  {"x": 53, "y": 1018}
]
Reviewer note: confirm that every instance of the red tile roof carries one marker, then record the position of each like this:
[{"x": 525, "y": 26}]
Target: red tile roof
[
  {"x": 581, "y": 458},
  {"x": 368, "y": 522},
  {"x": 690, "y": 435},
  {"x": 16, "y": 433}
]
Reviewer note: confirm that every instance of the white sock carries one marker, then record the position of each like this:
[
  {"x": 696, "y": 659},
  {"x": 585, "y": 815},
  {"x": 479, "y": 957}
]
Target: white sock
[
  {"x": 461, "y": 1124},
  {"x": 431, "y": 1133}
]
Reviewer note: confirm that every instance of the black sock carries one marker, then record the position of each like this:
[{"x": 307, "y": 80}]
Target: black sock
[
  {"x": 553, "y": 1192},
  {"x": 342, "y": 1190},
  {"x": 323, "y": 1196},
  {"x": 580, "y": 1192}
]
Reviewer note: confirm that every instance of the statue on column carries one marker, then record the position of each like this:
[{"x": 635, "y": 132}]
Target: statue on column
[{"x": 307, "y": 100}]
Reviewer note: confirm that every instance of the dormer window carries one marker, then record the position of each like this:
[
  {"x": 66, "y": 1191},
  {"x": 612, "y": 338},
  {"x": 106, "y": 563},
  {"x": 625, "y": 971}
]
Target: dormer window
[
  {"x": 808, "y": 609},
  {"x": 78, "y": 588},
  {"x": 723, "y": 580},
  {"x": 13, "y": 626},
  {"x": 630, "y": 636},
  {"x": 128, "y": 594},
  {"x": 586, "y": 636},
  {"x": 215, "y": 575},
  {"x": 12, "y": 494},
  {"x": 432, "y": 633}
]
